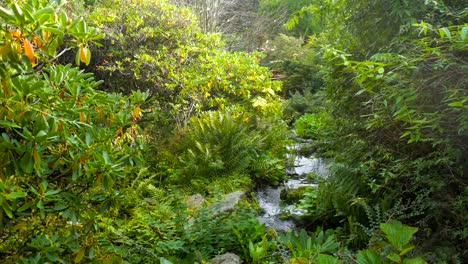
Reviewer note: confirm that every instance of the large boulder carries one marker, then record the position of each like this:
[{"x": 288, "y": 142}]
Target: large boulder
[
  {"x": 228, "y": 203},
  {"x": 227, "y": 258}
]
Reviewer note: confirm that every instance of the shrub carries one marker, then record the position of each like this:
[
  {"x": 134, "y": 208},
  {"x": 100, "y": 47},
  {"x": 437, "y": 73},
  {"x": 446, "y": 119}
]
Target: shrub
[{"x": 64, "y": 147}]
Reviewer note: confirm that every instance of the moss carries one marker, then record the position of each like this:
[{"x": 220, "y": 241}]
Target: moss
[{"x": 293, "y": 196}]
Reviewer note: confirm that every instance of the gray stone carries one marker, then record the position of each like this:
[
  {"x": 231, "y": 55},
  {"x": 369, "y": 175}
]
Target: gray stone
[
  {"x": 229, "y": 202},
  {"x": 195, "y": 201},
  {"x": 227, "y": 258}
]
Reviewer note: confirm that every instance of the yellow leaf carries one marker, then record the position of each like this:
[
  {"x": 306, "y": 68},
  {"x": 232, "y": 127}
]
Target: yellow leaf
[
  {"x": 137, "y": 112},
  {"x": 18, "y": 48},
  {"x": 83, "y": 53},
  {"x": 29, "y": 51},
  {"x": 82, "y": 116}
]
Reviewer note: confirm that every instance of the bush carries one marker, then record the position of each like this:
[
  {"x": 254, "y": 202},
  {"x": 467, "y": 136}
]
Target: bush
[{"x": 64, "y": 147}]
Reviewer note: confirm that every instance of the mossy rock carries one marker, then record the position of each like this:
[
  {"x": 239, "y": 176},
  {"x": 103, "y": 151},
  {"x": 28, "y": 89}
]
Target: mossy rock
[{"x": 293, "y": 196}]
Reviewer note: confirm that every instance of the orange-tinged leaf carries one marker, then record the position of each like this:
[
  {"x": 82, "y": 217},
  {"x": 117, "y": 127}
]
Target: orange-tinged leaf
[
  {"x": 83, "y": 54},
  {"x": 16, "y": 33},
  {"x": 29, "y": 51},
  {"x": 98, "y": 180},
  {"x": 83, "y": 159},
  {"x": 82, "y": 116},
  {"x": 137, "y": 112},
  {"x": 37, "y": 41},
  {"x": 46, "y": 35}
]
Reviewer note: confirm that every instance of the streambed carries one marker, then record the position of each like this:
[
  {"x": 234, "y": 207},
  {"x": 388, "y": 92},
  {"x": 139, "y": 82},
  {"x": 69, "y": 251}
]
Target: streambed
[{"x": 268, "y": 197}]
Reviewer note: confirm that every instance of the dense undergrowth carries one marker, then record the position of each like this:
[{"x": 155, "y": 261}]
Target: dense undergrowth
[{"x": 99, "y": 161}]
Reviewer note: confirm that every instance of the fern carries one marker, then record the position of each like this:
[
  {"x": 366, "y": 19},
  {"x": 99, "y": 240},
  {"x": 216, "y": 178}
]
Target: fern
[
  {"x": 347, "y": 180},
  {"x": 219, "y": 144}
]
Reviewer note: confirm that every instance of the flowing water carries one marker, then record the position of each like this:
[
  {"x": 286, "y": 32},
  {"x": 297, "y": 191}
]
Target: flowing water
[{"x": 268, "y": 197}]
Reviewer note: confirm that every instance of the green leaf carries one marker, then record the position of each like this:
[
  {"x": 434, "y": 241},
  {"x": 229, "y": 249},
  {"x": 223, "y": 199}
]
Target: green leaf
[
  {"x": 164, "y": 261},
  {"x": 406, "y": 250},
  {"x": 398, "y": 234},
  {"x": 327, "y": 259},
  {"x": 6, "y": 207},
  {"x": 41, "y": 135},
  {"x": 456, "y": 104},
  {"x": 44, "y": 11},
  {"x": 464, "y": 32},
  {"x": 88, "y": 56},
  {"x": 25, "y": 206},
  {"x": 79, "y": 255},
  {"x": 54, "y": 30},
  {"x": 6, "y": 14},
  {"x": 16, "y": 195},
  {"x": 40, "y": 205},
  {"x": 417, "y": 260},
  {"x": 445, "y": 32},
  {"x": 18, "y": 12},
  {"x": 7, "y": 124},
  {"x": 368, "y": 256},
  {"x": 394, "y": 257},
  {"x": 77, "y": 58}
]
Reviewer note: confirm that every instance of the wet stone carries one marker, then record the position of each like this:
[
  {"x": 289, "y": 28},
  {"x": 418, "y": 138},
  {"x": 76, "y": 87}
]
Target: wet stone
[
  {"x": 228, "y": 258},
  {"x": 195, "y": 201}
]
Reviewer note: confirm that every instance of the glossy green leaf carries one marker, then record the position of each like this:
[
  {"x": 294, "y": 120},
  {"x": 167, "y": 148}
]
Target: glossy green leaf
[{"x": 398, "y": 234}]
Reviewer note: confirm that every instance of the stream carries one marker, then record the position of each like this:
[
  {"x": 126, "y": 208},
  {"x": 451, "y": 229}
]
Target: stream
[{"x": 268, "y": 197}]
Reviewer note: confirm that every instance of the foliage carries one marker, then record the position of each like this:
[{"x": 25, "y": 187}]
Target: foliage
[
  {"x": 399, "y": 112},
  {"x": 65, "y": 147},
  {"x": 312, "y": 125},
  {"x": 160, "y": 226},
  {"x": 295, "y": 64},
  {"x": 219, "y": 144},
  {"x": 307, "y": 248},
  {"x": 159, "y": 47},
  {"x": 399, "y": 236}
]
